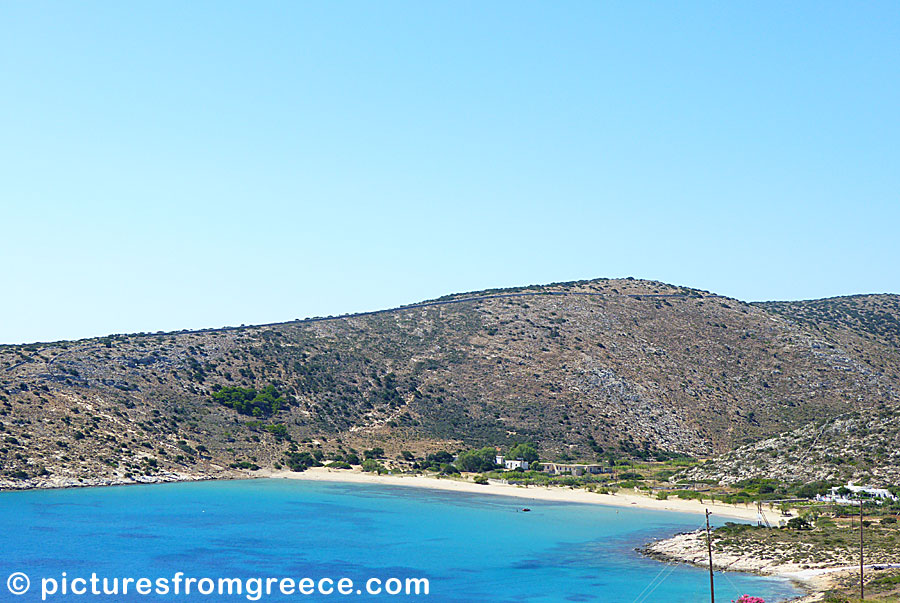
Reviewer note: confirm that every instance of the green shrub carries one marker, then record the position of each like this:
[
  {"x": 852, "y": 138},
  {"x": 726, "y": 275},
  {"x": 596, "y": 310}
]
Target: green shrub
[
  {"x": 372, "y": 466},
  {"x": 300, "y": 461},
  {"x": 525, "y": 452},
  {"x": 245, "y": 465},
  {"x": 375, "y": 453},
  {"x": 248, "y": 401},
  {"x": 438, "y": 458},
  {"x": 279, "y": 430},
  {"x": 352, "y": 458},
  {"x": 799, "y": 523}
]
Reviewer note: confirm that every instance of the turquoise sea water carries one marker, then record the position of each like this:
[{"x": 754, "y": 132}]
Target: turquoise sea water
[{"x": 470, "y": 547}]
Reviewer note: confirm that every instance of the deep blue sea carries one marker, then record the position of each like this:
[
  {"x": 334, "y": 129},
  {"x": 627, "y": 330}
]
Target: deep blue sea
[{"x": 470, "y": 547}]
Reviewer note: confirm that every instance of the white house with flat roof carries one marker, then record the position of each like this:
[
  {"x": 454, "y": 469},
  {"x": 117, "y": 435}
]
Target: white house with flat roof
[
  {"x": 572, "y": 469},
  {"x": 510, "y": 464},
  {"x": 853, "y": 493}
]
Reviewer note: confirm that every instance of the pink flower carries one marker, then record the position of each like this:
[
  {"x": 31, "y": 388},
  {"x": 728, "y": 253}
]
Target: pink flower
[{"x": 749, "y": 599}]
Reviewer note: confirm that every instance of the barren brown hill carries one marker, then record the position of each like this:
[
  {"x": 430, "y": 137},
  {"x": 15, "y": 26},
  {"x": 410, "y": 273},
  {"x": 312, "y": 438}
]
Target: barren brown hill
[
  {"x": 862, "y": 444},
  {"x": 628, "y": 367}
]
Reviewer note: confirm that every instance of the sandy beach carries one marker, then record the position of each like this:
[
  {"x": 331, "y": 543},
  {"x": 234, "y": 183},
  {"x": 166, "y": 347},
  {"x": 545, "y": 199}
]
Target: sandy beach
[
  {"x": 680, "y": 547},
  {"x": 534, "y": 493}
]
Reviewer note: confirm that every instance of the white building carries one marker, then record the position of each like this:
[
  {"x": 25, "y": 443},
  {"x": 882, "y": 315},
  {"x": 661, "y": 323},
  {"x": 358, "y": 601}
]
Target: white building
[
  {"x": 511, "y": 464},
  {"x": 850, "y": 498},
  {"x": 576, "y": 470}
]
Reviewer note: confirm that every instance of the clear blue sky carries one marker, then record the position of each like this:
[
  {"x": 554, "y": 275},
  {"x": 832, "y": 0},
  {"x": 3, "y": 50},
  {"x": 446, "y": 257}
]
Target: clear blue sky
[{"x": 169, "y": 165}]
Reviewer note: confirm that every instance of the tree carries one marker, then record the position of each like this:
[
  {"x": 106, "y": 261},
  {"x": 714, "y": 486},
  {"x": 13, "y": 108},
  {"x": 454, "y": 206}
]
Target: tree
[
  {"x": 799, "y": 523},
  {"x": 526, "y": 452},
  {"x": 439, "y": 458},
  {"x": 250, "y": 402},
  {"x": 351, "y": 458},
  {"x": 477, "y": 461}
]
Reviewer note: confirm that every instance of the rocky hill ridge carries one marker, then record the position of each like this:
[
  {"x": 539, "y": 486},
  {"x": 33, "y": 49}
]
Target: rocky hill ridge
[{"x": 608, "y": 366}]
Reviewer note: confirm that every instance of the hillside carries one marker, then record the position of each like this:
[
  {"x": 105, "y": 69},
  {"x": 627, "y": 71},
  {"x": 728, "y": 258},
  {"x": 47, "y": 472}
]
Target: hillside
[
  {"x": 623, "y": 367},
  {"x": 863, "y": 444}
]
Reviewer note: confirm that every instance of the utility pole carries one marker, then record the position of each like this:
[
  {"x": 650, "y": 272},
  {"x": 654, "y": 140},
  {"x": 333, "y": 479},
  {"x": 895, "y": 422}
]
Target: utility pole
[
  {"x": 712, "y": 592},
  {"x": 862, "y": 586}
]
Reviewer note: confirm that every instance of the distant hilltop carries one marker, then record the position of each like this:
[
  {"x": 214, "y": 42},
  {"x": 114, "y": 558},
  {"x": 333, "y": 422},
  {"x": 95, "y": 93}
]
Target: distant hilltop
[{"x": 623, "y": 367}]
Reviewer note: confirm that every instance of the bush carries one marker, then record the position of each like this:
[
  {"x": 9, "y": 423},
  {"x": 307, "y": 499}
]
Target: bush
[
  {"x": 300, "y": 461},
  {"x": 372, "y": 466},
  {"x": 279, "y": 430},
  {"x": 438, "y": 458},
  {"x": 688, "y": 494},
  {"x": 245, "y": 465},
  {"x": 481, "y": 479},
  {"x": 374, "y": 453},
  {"x": 731, "y": 527},
  {"x": 352, "y": 458},
  {"x": 248, "y": 401},
  {"x": 799, "y": 523}
]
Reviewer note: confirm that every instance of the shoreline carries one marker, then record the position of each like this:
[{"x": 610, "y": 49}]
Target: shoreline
[
  {"x": 813, "y": 581},
  {"x": 536, "y": 493},
  {"x": 815, "y": 578},
  {"x": 623, "y": 499},
  {"x": 679, "y": 548}
]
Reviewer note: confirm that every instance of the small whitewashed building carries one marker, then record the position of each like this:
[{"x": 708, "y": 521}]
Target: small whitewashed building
[
  {"x": 570, "y": 469},
  {"x": 510, "y": 464},
  {"x": 851, "y": 497}
]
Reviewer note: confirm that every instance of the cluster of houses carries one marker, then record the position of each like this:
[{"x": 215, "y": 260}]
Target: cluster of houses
[
  {"x": 576, "y": 470},
  {"x": 551, "y": 468},
  {"x": 850, "y": 494}
]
